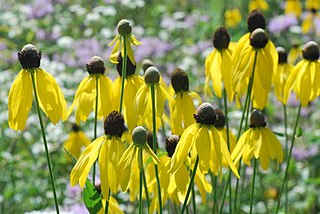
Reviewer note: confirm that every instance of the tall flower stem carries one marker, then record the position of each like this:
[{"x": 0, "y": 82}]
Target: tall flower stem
[
  {"x": 286, "y": 152},
  {"x": 289, "y": 158},
  {"x": 194, "y": 206},
  {"x": 190, "y": 185},
  {"x": 154, "y": 131},
  {"x": 44, "y": 141},
  {"x": 215, "y": 199},
  {"x": 252, "y": 184},
  {"x": 106, "y": 209},
  {"x": 124, "y": 71},
  {"x": 140, "y": 178},
  {"x": 245, "y": 111},
  {"x": 228, "y": 142},
  {"x": 225, "y": 192},
  {"x": 95, "y": 124},
  {"x": 146, "y": 188}
]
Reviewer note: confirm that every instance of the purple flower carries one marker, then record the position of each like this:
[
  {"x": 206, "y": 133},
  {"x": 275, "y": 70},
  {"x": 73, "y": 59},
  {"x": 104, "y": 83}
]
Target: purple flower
[
  {"x": 281, "y": 23},
  {"x": 40, "y": 8},
  {"x": 302, "y": 152},
  {"x": 85, "y": 49}
]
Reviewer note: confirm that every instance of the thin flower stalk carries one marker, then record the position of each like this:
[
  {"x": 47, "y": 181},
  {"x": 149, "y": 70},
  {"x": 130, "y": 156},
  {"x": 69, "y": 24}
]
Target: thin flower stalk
[
  {"x": 140, "y": 178},
  {"x": 95, "y": 127},
  {"x": 45, "y": 142},
  {"x": 124, "y": 71}
]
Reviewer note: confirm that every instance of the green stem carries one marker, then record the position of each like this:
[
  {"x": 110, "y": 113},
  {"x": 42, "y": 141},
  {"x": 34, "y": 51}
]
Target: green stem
[
  {"x": 237, "y": 187},
  {"x": 124, "y": 71},
  {"x": 194, "y": 206},
  {"x": 289, "y": 158},
  {"x": 106, "y": 209},
  {"x": 146, "y": 188},
  {"x": 228, "y": 142},
  {"x": 215, "y": 199},
  {"x": 154, "y": 131},
  {"x": 95, "y": 124},
  {"x": 44, "y": 141},
  {"x": 225, "y": 192},
  {"x": 140, "y": 179},
  {"x": 252, "y": 184},
  {"x": 286, "y": 152},
  {"x": 190, "y": 185}
]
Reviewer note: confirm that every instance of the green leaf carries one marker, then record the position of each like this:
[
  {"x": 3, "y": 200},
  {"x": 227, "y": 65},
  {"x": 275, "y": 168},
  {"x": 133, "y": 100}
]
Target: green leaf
[
  {"x": 279, "y": 134},
  {"x": 299, "y": 131},
  {"x": 149, "y": 160},
  {"x": 92, "y": 198}
]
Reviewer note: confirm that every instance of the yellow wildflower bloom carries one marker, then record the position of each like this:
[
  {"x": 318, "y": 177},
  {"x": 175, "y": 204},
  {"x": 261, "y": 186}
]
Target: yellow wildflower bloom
[
  {"x": 232, "y": 17},
  {"x": 114, "y": 207},
  {"x": 294, "y": 54},
  {"x": 85, "y": 98},
  {"x": 265, "y": 66},
  {"x": 293, "y": 7},
  {"x": 107, "y": 150},
  {"x": 143, "y": 101},
  {"x": 258, "y": 4},
  {"x": 51, "y": 99},
  {"x": 182, "y": 115},
  {"x": 76, "y": 141},
  {"x": 132, "y": 84},
  {"x": 198, "y": 139},
  {"x": 281, "y": 75},
  {"x": 124, "y": 30},
  {"x": 258, "y": 142},
  {"x": 218, "y": 65},
  {"x": 309, "y": 22},
  {"x": 304, "y": 80},
  {"x": 312, "y": 4}
]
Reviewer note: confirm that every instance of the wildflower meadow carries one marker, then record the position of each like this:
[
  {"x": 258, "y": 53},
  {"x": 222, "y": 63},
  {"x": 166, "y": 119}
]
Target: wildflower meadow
[{"x": 117, "y": 106}]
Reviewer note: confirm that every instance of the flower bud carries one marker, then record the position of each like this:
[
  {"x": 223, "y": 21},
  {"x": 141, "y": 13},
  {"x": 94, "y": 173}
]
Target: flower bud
[
  {"x": 131, "y": 68},
  {"x": 256, "y": 20},
  {"x": 171, "y": 144},
  {"x": 114, "y": 124},
  {"x": 221, "y": 119},
  {"x": 179, "y": 80},
  {"x": 139, "y": 135},
  {"x": 257, "y": 119},
  {"x": 282, "y": 55},
  {"x": 124, "y": 27},
  {"x": 310, "y": 51},
  {"x": 95, "y": 65},
  {"x": 206, "y": 114},
  {"x": 29, "y": 57},
  {"x": 258, "y": 38},
  {"x": 221, "y": 38},
  {"x": 146, "y": 63},
  {"x": 152, "y": 75}
]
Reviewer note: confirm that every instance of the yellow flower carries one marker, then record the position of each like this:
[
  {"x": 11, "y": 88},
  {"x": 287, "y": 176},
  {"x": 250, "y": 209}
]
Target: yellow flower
[
  {"x": 265, "y": 66},
  {"x": 76, "y": 141},
  {"x": 293, "y": 7},
  {"x": 309, "y": 23},
  {"x": 218, "y": 65},
  {"x": 198, "y": 140},
  {"x": 294, "y": 54},
  {"x": 258, "y": 142},
  {"x": 50, "y": 96},
  {"x": 179, "y": 180},
  {"x": 114, "y": 207},
  {"x": 305, "y": 77},
  {"x": 281, "y": 75},
  {"x": 232, "y": 17},
  {"x": 131, "y": 86},
  {"x": 107, "y": 150},
  {"x": 124, "y": 31},
  {"x": 312, "y": 4},
  {"x": 258, "y": 4},
  {"x": 143, "y": 101},
  {"x": 182, "y": 115},
  {"x": 139, "y": 138},
  {"x": 85, "y": 98}
]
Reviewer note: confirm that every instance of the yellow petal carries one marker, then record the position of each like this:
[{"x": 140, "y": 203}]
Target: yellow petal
[
  {"x": 115, "y": 52},
  {"x": 105, "y": 96},
  {"x": 203, "y": 145},
  {"x": 20, "y": 100}
]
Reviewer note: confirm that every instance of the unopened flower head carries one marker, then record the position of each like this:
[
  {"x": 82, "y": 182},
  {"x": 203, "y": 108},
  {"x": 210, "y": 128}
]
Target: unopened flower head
[
  {"x": 124, "y": 27},
  {"x": 29, "y": 57},
  {"x": 131, "y": 68},
  {"x": 179, "y": 80},
  {"x": 139, "y": 135},
  {"x": 258, "y": 38},
  {"x": 256, "y": 20},
  {"x": 257, "y": 119},
  {"x": 221, "y": 38},
  {"x": 152, "y": 76},
  {"x": 221, "y": 119},
  {"x": 311, "y": 51},
  {"x": 206, "y": 114},
  {"x": 146, "y": 63},
  {"x": 114, "y": 124},
  {"x": 95, "y": 65},
  {"x": 282, "y": 54},
  {"x": 171, "y": 144}
]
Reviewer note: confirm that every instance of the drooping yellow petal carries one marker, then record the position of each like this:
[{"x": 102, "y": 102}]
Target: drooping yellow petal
[
  {"x": 20, "y": 100},
  {"x": 105, "y": 96},
  {"x": 130, "y": 52},
  {"x": 203, "y": 145},
  {"x": 104, "y": 169},
  {"x": 203, "y": 185},
  {"x": 115, "y": 51},
  {"x": 240, "y": 146},
  {"x": 82, "y": 168},
  {"x": 51, "y": 98},
  {"x": 264, "y": 150},
  {"x": 154, "y": 157}
]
